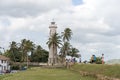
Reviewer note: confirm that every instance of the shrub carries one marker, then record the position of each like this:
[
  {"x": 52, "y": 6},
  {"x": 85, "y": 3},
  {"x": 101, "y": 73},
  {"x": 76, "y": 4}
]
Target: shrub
[
  {"x": 15, "y": 67},
  {"x": 98, "y": 60}
]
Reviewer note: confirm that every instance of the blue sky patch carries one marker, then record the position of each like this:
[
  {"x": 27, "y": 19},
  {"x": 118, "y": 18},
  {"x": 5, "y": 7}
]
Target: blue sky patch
[
  {"x": 77, "y": 2},
  {"x": 5, "y": 22}
]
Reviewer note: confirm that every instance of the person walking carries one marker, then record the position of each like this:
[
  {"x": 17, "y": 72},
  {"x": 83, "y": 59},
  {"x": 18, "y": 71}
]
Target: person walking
[
  {"x": 102, "y": 58},
  {"x": 94, "y": 58}
]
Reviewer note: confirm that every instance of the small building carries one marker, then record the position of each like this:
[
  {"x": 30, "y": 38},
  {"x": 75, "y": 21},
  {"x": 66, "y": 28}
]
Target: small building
[{"x": 4, "y": 63}]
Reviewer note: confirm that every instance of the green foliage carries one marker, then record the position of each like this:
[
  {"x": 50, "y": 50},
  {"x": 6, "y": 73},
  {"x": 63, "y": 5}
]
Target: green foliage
[
  {"x": 13, "y": 53},
  {"x": 54, "y": 40},
  {"x": 67, "y": 48},
  {"x": 67, "y": 34},
  {"x": 18, "y": 52},
  {"x": 98, "y": 60},
  {"x": 25, "y": 47},
  {"x": 40, "y": 55},
  {"x": 73, "y": 52},
  {"x": 15, "y": 67}
]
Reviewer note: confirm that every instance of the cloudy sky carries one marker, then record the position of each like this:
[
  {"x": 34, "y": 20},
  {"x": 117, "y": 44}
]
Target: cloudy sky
[{"x": 95, "y": 23}]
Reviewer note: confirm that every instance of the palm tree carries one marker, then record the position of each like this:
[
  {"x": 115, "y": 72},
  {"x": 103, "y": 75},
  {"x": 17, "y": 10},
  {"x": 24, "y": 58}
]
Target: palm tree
[
  {"x": 22, "y": 48},
  {"x": 65, "y": 49},
  {"x": 54, "y": 41},
  {"x": 73, "y": 52},
  {"x": 26, "y": 46},
  {"x": 66, "y": 35},
  {"x": 13, "y": 50}
]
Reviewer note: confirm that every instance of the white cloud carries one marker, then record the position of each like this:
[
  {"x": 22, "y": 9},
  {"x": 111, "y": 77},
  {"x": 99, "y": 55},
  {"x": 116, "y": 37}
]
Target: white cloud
[
  {"x": 22, "y": 8},
  {"x": 95, "y": 23}
]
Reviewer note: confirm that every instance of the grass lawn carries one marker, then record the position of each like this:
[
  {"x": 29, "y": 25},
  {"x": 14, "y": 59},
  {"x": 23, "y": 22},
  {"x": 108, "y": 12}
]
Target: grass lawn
[
  {"x": 107, "y": 70},
  {"x": 45, "y": 74}
]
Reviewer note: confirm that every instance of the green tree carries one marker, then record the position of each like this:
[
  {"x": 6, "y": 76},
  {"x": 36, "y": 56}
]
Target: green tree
[
  {"x": 73, "y": 52},
  {"x": 98, "y": 60},
  {"x": 67, "y": 34},
  {"x": 14, "y": 52},
  {"x": 39, "y": 55},
  {"x": 65, "y": 49},
  {"x": 26, "y": 46},
  {"x": 54, "y": 41}
]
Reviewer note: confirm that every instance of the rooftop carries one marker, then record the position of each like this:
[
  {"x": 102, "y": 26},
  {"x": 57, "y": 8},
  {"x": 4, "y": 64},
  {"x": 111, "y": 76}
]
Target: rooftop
[{"x": 3, "y": 58}]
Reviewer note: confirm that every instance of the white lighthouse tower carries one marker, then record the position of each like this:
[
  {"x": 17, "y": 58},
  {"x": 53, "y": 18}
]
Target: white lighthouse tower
[{"x": 52, "y": 50}]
